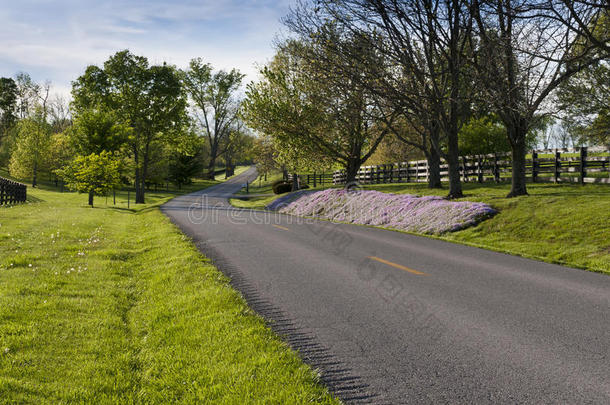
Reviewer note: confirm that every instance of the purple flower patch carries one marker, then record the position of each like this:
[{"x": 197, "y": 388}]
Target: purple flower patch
[{"x": 430, "y": 214}]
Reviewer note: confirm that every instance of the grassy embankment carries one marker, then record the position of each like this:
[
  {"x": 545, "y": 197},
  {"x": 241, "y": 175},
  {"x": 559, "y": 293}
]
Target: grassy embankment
[
  {"x": 115, "y": 305},
  {"x": 559, "y": 223}
]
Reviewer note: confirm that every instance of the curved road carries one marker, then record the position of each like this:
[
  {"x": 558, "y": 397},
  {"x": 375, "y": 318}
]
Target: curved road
[{"x": 394, "y": 318}]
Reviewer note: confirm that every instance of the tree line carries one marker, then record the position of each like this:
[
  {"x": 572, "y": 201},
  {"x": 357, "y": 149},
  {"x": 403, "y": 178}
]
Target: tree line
[
  {"x": 129, "y": 122},
  {"x": 435, "y": 78}
]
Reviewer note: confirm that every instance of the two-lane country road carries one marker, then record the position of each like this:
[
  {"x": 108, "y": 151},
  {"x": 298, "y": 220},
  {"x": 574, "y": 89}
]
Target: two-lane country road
[{"x": 395, "y": 318}]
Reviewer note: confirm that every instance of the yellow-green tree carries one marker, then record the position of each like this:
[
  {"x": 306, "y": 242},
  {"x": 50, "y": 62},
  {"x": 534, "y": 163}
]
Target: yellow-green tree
[
  {"x": 95, "y": 174},
  {"x": 31, "y": 147}
]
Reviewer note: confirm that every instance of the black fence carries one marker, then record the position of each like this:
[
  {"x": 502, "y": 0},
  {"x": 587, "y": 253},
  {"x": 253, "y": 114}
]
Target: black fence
[
  {"x": 579, "y": 165},
  {"x": 12, "y": 192}
]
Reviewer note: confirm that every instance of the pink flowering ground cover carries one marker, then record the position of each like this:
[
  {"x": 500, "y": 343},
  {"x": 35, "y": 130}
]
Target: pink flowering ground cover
[{"x": 430, "y": 214}]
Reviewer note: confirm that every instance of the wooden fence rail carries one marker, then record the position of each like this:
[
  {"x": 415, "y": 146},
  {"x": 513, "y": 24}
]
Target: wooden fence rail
[
  {"x": 12, "y": 192},
  {"x": 581, "y": 165}
]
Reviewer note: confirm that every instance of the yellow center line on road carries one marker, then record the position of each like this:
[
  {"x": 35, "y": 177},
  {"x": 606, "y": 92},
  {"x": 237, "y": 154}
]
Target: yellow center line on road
[
  {"x": 280, "y": 227},
  {"x": 398, "y": 266}
]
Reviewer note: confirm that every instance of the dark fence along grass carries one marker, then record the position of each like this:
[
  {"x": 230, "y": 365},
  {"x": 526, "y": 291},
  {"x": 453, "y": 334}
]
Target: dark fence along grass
[
  {"x": 12, "y": 192},
  {"x": 579, "y": 165}
]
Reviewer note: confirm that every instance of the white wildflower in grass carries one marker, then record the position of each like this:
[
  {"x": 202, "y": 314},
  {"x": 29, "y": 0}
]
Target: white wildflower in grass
[
  {"x": 6, "y": 350},
  {"x": 30, "y": 265}
]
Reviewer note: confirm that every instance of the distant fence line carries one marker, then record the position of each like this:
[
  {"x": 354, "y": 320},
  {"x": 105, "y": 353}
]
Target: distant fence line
[
  {"x": 12, "y": 192},
  {"x": 580, "y": 165}
]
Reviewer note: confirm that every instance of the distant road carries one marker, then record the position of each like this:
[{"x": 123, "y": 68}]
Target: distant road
[{"x": 395, "y": 318}]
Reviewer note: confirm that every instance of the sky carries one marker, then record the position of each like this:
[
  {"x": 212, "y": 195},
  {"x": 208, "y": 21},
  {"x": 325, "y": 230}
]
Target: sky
[{"x": 56, "y": 39}]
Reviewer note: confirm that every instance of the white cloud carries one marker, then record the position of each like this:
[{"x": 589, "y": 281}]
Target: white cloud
[{"x": 56, "y": 40}]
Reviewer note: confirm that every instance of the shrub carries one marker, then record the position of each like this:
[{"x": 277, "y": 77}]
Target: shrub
[{"x": 281, "y": 187}]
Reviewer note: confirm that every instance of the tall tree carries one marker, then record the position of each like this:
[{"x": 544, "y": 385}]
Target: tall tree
[
  {"x": 426, "y": 44},
  {"x": 8, "y": 105},
  {"x": 148, "y": 98},
  {"x": 216, "y": 105},
  {"x": 312, "y": 112},
  {"x": 524, "y": 54},
  {"x": 30, "y": 153}
]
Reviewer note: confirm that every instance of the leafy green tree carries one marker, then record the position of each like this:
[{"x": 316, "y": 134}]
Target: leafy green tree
[
  {"x": 183, "y": 167},
  {"x": 315, "y": 115},
  {"x": 60, "y": 152},
  {"x": 217, "y": 108},
  {"x": 238, "y": 149},
  {"x": 585, "y": 105},
  {"x": 483, "y": 135},
  {"x": 95, "y": 174},
  {"x": 8, "y": 105},
  {"x": 97, "y": 130},
  {"x": 264, "y": 155},
  {"x": 31, "y": 147},
  {"x": 148, "y": 98}
]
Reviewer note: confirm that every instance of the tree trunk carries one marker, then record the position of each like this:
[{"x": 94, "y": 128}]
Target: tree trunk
[
  {"x": 434, "y": 169},
  {"x": 35, "y": 174},
  {"x": 518, "y": 153},
  {"x": 211, "y": 168},
  {"x": 295, "y": 182},
  {"x": 455, "y": 185},
  {"x": 212, "y": 164},
  {"x": 91, "y": 198},
  {"x": 351, "y": 171}
]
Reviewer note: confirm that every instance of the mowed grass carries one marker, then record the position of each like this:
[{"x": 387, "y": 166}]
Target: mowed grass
[
  {"x": 566, "y": 224},
  {"x": 559, "y": 223},
  {"x": 110, "y": 305}
]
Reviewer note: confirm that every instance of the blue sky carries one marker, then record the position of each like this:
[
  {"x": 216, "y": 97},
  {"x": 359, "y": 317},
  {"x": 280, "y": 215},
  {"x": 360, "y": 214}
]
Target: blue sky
[{"x": 56, "y": 39}]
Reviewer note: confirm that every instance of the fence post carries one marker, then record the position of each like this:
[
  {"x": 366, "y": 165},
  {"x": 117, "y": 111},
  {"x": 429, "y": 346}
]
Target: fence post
[
  {"x": 557, "y": 165},
  {"x": 583, "y": 164},
  {"x": 535, "y": 165},
  {"x": 496, "y": 169},
  {"x": 479, "y": 169},
  {"x": 407, "y": 169},
  {"x": 463, "y": 169}
]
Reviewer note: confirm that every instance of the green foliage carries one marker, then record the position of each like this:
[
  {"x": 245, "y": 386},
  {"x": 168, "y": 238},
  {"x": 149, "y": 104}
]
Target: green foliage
[
  {"x": 183, "y": 167},
  {"x": 31, "y": 148},
  {"x": 96, "y": 130},
  {"x": 214, "y": 95},
  {"x": 8, "y": 105},
  {"x": 584, "y": 100},
  {"x": 482, "y": 136},
  {"x": 96, "y": 174},
  {"x": 148, "y": 98},
  {"x": 316, "y": 117}
]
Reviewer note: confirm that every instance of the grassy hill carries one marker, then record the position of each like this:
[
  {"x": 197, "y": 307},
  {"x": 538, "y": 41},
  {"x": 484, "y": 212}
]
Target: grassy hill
[{"x": 116, "y": 305}]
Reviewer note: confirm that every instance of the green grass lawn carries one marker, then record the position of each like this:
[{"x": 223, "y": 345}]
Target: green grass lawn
[
  {"x": 559, "y": 223},
  {"x": 116, "y": 305},
  {"x": 262, "y": 191}
]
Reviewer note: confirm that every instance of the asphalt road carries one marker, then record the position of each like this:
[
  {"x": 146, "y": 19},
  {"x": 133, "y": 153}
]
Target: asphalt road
[{"x": 394, "y": 318}]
